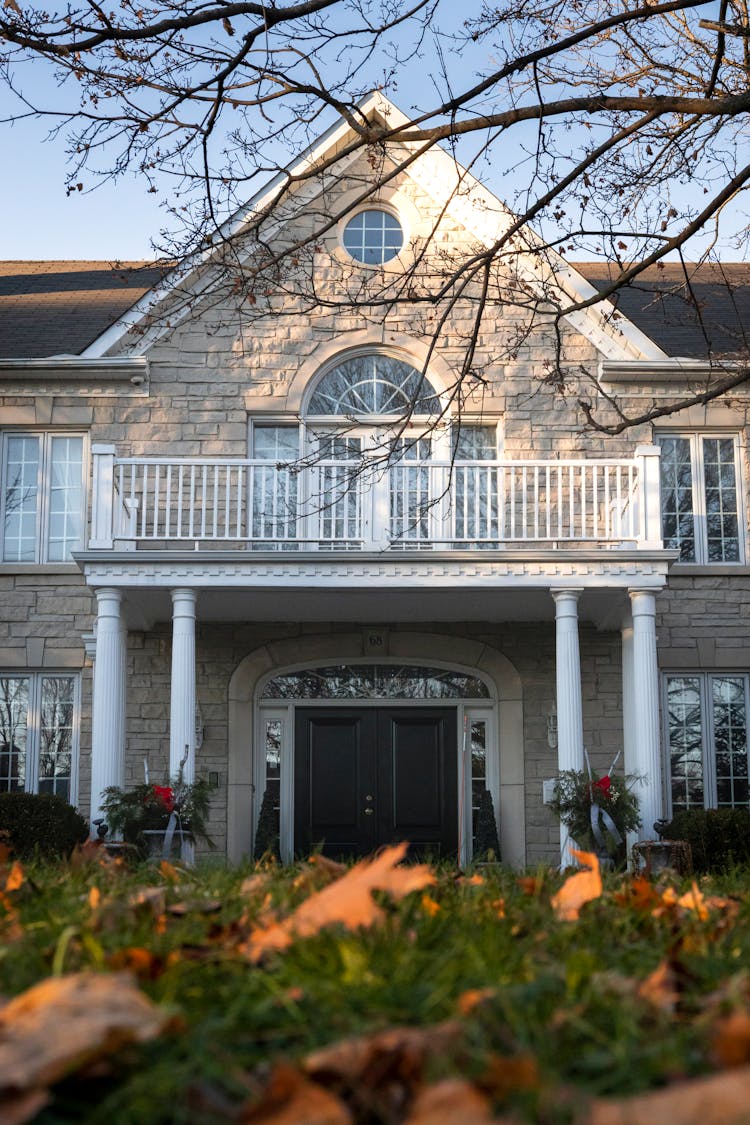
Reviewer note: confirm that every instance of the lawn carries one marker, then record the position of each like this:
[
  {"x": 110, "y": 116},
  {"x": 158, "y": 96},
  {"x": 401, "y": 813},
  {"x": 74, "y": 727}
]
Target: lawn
[{"x": 160, "y": 994}]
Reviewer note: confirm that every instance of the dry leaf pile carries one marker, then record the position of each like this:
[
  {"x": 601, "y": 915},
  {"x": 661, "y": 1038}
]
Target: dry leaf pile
[{"x": 394, "y": 1075}]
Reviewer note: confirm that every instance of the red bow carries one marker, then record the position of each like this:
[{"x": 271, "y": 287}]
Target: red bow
[
  {"x": 604, "y": 785},
  {"x": 165, "y": 794}
]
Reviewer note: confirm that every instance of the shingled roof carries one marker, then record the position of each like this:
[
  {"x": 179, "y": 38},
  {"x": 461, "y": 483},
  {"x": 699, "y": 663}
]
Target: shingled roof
[
  {"x": 690, "y": 311},
  {"x": 59, "y": 308}
]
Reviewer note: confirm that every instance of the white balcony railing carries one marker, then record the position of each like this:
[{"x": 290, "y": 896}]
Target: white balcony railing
[{"x": 161, "y": 502}]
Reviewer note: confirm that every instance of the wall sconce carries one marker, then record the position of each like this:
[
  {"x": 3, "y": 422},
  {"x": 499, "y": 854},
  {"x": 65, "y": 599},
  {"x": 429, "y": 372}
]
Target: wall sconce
[{"x": 552, "y": 728}]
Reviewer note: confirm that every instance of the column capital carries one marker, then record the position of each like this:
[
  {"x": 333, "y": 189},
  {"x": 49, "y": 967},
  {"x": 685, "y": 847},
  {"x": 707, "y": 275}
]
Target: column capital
[
  {"x": 184, "y": 596},
  {"x": 560, "y": 592},
  {"x": 642, "y": 601},
  {"x": 108, "y": 594}
]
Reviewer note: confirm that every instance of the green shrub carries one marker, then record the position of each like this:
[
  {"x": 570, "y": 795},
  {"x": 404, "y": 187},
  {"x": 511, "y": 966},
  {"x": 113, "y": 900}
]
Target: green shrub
[
  {"x": 718, "y": 838},
  {"x": 40, "y": 824}
]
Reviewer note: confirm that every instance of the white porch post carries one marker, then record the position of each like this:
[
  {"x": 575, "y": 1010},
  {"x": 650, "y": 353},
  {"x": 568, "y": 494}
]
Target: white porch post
[
  {"x": 108, "y": 710},
  {"x": 569, "y": 705},
  {"x": 182, "y": 702},
  {"x": 628, "y": 707},
  {"x": 644, "y": 734}
]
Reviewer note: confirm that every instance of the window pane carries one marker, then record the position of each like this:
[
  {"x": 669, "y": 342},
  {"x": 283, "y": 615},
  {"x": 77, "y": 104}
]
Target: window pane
[
  {"x": 66, "y": 497},
  {"x": 409, "y": 487},
  {"x": 478, "y": 769},
  {"x": 722, "y": 528},
  {"x": 56, "y": 735},
  {"x": 373, "y": 237},
  {"x": 685, "y": 741},
  {"x": 730, "y": 739},
  {"x": 20, "y": 488},
  {"x": 373, "y": 384},
  {"x": 14, "y": 712},
  {"x": 475, "y": 443},
  {"x": 678, "y": 525},
  {"x": 274, "y": 486},
  {"x": 375, "y": 681}
]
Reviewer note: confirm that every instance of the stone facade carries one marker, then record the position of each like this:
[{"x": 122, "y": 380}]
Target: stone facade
[{"x": 233, "y": 359}]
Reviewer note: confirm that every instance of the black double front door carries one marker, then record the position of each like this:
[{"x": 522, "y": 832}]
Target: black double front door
[{"x": 370, "y": 776}]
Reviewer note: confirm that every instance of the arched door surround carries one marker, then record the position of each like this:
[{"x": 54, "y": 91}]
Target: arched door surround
[{"x": 469, "y": 656}]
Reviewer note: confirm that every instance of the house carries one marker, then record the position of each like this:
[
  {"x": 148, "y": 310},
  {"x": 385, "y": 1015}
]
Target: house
[{"x": 276, "y": 534}]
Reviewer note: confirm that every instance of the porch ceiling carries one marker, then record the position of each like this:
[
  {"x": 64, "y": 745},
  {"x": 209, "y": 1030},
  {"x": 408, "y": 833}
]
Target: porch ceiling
[{"x": 497, "y": 586}]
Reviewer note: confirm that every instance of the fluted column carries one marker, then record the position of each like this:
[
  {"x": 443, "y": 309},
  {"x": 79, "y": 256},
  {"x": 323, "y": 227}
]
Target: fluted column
[
  {"x": 569, "y": 705},
  {"x": 182, "y": 702},
  {"x": 108, "y": 710},
  {"x": 645, "y": 709},
  {"x": 628, "y": 707}
]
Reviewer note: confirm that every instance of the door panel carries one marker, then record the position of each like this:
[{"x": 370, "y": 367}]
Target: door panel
[
  {"x": 334, "y": 771},
  {"x": 418, "y": 778},
  {"x": 368, "y": 777}
]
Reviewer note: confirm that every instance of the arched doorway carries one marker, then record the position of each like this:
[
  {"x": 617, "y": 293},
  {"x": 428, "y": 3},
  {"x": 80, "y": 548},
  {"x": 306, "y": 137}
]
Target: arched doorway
[{"x": 447, "y": 705}]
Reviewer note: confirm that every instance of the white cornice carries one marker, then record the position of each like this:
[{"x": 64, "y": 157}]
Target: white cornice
[
  {"x": 663, "y": 371},
  {"x": 223, "y": 570},
  {"x": 126, "y": 369}
]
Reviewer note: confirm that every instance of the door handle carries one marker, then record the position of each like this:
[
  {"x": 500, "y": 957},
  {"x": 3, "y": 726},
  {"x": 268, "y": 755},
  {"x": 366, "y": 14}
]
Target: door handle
[{"x": 368, "y": 812}]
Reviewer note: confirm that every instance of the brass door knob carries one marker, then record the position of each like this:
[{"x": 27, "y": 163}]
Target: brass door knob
[{"x": 368, "y": 812}]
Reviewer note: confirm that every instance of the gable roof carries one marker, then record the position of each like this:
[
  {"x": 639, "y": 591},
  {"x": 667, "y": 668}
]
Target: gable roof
[
  {"x": 692, "y": 311},
  {"x": 58, "y": 308},
  {"x": 457, "y": 193}
]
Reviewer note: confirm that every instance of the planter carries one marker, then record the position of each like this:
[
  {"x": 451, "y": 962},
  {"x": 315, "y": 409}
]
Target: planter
[
  {"x": 651, "y": 857},
  {"x": 181, "y": 845}
]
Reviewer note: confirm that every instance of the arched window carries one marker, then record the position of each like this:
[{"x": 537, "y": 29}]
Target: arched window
[{"x": 373, "y": 384}]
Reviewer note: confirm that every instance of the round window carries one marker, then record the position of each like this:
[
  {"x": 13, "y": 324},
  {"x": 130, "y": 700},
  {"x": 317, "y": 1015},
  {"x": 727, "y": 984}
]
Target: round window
[{"x": 373, "y": 237}]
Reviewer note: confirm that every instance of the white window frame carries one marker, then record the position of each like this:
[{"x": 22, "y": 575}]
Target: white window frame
[
  {"x": 697, "y": 471},
  {"x": 44, "y": 483},
  {"x": 708, "y": 741},
  {"x": 34, "y": 724}
]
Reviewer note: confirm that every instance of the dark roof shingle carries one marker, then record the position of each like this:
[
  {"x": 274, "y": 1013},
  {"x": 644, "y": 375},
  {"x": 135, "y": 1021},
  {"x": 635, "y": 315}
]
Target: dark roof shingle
[{"x": 59, "y": 308}]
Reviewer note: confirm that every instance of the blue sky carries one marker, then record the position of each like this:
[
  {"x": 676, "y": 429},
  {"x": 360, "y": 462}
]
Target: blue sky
[{"x": 118, "y": 220}]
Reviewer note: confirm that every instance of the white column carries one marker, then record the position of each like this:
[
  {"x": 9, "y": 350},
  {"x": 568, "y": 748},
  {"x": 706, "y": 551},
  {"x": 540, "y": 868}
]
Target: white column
[
  {"x": 182, "y": 704},
  {"x": 628, "y": 707},
  {"x": 646, "y": 760},
  {"x": 108, "y": 710},
  {"x": 569, "y": 704}
]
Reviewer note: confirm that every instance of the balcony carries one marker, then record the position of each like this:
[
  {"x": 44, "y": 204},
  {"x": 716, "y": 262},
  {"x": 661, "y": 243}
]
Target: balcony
[{"x": 172, "y": 503}]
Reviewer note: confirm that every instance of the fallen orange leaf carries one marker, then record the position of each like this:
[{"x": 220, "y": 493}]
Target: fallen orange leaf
[
  {"x": 721, "y": 1099},
  {"x": 660, "y": 988},
  {"x": 16, "y": 877},
  {"x": 348, "y": 901},
  {"x": 472, "y": 999},
  {"x": 396, "y": 1054},
  {"x": 450, "y": 1101},
  {"x": 63, "y": 1023},
  {"x": 731, "y": 1041},
  {"x": 291, "y": 1099},
  {"x": 578, "y": 889}
]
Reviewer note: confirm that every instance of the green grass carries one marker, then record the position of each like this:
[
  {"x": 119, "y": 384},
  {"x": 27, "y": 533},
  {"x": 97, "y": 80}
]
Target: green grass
[{"x": 565, "y": 993}]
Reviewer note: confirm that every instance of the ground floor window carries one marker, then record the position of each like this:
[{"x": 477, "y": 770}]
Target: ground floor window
[
  {"x": 38, "y": 733},
  {"x": 706, "y": 739}
]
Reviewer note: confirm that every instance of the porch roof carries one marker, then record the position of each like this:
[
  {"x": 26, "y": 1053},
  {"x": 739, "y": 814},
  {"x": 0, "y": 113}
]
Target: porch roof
[{"x": 512, "y": 585}]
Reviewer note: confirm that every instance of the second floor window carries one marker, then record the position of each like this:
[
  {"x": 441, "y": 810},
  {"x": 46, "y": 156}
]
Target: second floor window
[
  {"x": 42, "y": 496},
  {"x": 699, "y": 497}
]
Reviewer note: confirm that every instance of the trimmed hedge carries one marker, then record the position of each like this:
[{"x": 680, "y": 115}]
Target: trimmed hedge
[
  {"x": 719, "y": 838},
  {"x": 36, "y": 824}
]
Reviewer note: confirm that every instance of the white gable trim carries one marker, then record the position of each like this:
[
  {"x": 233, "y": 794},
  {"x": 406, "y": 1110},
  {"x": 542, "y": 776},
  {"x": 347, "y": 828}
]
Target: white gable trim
[{"x": 473, "y": 206}]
